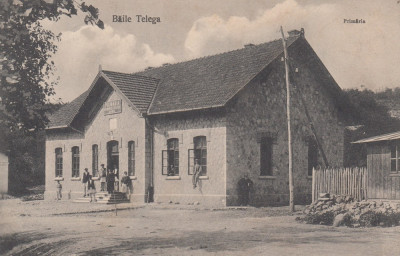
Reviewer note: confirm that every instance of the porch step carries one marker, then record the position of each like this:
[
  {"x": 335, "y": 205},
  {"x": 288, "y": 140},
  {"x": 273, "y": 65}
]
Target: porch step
[
  {"x": 105, "y": 198},
  {"x": 82, "y": 200}
]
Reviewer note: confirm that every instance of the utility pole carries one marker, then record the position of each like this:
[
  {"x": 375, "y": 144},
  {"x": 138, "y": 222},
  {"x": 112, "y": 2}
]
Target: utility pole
[{"x": 291, "y": 186}]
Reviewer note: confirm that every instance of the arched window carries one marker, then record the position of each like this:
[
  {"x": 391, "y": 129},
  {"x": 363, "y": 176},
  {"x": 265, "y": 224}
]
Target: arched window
[
  {"x": 171, "y": 158},
  {"x": 200, "y": 153},
  {"x": 75, "y": 161},
  {"x": 95, "y": 160},
  {"x": 131, "y": 158},
  {"x": 59, "y": 162}
]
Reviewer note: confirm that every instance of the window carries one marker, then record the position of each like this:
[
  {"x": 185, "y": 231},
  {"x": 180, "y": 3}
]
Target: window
[
  {"x": 200, "y": 153},
  {"x": 394, "y": 158},
  {"x": 75, "y": 162},
  {"x": 95, "y": 160},
  {"x": 266, "y": 156},
  {"x": 312, "y": 155},
  {"x": 59, "y": 162},
  {"x": 171, "y": 158},
  {"x": 131, "y": 158}
]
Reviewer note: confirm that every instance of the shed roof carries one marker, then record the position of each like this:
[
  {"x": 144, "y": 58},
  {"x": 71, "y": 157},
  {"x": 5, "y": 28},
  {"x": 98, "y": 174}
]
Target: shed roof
[{"x": 383, "y": 137}]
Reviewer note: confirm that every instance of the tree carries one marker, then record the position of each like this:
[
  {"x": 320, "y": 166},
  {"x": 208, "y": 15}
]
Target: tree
[
  {"x": 369, "y": 112},
  {"x": 24, "y": 58},
  {"x": 25, "y": 49},
  {"x": 373, "y": 117}
]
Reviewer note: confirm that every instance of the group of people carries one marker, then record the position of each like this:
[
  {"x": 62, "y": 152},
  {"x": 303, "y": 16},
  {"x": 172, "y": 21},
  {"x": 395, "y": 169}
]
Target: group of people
[
  {"x": 244, "y": 186},
  {"x": 108, "y": 180}
]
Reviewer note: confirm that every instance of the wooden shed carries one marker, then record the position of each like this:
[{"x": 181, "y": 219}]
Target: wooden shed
[{"x": 383, "y": 164}]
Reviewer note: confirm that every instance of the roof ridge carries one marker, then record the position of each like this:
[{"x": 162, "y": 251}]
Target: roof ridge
[
  {"x": 132, "y": 74},
  {"x": 213, "y": 55}
]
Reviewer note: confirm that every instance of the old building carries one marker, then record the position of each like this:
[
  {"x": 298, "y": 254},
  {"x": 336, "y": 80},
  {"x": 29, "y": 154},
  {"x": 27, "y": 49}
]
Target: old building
[
  {"x": 383, "y": 166},
  {"x": 227, "y": 110}
]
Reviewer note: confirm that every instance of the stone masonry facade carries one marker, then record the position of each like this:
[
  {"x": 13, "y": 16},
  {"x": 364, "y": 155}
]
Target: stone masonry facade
[{"x": 261, "y": 109}]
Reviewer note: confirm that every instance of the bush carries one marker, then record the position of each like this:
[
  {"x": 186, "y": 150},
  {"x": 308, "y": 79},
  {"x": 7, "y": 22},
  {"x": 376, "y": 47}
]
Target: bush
[{"x": 353, "y": 214}]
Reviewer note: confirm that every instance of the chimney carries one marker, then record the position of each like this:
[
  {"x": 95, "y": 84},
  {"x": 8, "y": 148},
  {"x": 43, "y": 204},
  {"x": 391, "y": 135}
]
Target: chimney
[{"x": 296, "y": 32}]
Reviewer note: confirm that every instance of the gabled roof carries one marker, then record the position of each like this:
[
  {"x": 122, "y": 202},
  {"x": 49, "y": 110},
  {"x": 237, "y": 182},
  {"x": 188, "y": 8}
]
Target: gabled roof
[
  {"x": 63, "y": 117},
  {"x": 383, "y": 137},
  {"x": 139, "y": 90},
  {"x": 210, "y": 81},
  {"x": 196, "y": 84}
]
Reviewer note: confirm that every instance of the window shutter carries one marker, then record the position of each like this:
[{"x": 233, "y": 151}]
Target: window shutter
[
  {"x": 190, "y": 161},
  {"x": 165, "y": 162}
]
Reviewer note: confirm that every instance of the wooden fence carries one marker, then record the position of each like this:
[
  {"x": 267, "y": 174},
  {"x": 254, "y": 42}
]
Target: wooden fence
[{"x": 340, "y": 181}]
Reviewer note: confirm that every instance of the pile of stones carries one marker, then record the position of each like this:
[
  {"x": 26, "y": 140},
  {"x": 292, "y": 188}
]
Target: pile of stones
[{"x": 342, "y": 210}]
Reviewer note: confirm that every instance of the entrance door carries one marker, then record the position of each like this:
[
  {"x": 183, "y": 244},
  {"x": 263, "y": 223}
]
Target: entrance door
[{"x": 113, "y": 156}]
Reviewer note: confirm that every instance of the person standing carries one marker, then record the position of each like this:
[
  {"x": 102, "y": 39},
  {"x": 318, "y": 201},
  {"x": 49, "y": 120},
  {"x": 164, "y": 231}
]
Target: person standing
[
  {"x": 110, "y": 181},
  {"x": 85, "y": 181},
  {"x": 92, "y": 189},
  {"x": 103, "y": 178},
  {"x": 59, "y": 189},
  {"x": 245, "y": 185},
  {"x": 126, "y": 185},
  {"x": 116, "y": 179},
  {"x": 196, "y": 173}
]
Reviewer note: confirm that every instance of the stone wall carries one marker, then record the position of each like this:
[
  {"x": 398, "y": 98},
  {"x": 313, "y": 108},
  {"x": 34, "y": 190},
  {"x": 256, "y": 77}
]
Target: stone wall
[
  {"x": 261, "y": 109},
  {"x": 130, "y": 127},
  {"x": 185, "y": 127}
]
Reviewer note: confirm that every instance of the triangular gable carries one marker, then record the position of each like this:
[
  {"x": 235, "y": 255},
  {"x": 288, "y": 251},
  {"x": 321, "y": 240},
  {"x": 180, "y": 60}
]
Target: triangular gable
[{"x": 137, "y": 92}]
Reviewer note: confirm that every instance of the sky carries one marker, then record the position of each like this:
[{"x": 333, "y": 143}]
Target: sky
[{"x": 357, "y": 55}]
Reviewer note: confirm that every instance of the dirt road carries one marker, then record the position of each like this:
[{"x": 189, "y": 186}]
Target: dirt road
[{"x": 158, "y": 230}]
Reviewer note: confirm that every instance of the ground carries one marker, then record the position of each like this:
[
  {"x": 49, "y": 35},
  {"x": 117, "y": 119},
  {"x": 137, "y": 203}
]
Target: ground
[{"x": 66, "y": 228}]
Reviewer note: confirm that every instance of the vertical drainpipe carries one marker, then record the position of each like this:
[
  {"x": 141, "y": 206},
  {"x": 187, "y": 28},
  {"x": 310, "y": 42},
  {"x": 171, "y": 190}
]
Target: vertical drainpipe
[
  {"x": 152, "y": 156},
  {"x": 151, "y": 162}
]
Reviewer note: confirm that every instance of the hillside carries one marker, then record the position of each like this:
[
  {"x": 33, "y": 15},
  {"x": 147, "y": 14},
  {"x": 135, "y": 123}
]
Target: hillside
[{"x": 390, "y": 98}]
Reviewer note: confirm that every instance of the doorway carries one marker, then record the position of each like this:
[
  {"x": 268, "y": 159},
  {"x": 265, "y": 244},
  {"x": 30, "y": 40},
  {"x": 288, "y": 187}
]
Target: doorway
[{"x": 113, "y": 156}]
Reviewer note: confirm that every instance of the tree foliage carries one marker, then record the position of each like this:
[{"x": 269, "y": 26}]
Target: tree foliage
[
  {"x": 371, "y": 117},
  {"x": 369, "y": 112},
  {"x": 26, "y": 47},
  {"x": 25, "y": 71}
]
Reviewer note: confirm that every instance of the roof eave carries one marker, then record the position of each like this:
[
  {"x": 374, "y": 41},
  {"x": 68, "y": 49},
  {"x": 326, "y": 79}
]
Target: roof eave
[
  {"x": 185, "y": 110},
  {"x": 56, "y": 127},
  {"x": 384, "y": 137}
]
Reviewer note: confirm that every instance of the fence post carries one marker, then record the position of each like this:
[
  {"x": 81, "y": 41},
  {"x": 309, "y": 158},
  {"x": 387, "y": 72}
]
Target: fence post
[{"x": 341, "y": 181}]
